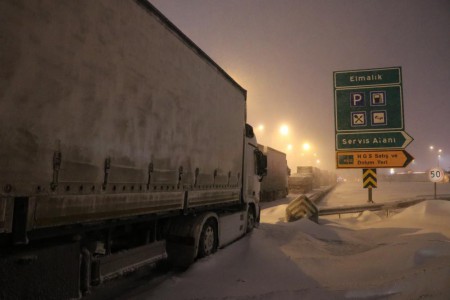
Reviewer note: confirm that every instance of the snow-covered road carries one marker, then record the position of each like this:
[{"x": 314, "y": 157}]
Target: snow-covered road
[{"x": 365, "y": 256}]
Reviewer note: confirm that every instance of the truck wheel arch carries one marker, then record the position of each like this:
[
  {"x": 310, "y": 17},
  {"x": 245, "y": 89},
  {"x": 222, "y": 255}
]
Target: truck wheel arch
[
  {"x": 208, "y": 240},
  {"x": 183, "y": 242},
  {"x": 197, "y": 229}
]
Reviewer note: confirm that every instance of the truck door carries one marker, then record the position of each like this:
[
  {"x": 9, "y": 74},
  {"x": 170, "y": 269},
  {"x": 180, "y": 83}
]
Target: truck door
[{"x": 255, "y": 166}]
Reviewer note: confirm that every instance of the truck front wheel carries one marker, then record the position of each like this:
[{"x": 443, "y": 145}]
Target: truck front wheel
[
  {"x": 250, "y": 219},
  {"x": 208, "y": 239}
]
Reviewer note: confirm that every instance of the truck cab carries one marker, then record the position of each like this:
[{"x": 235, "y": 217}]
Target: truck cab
[{"x": 256, "y": 169}]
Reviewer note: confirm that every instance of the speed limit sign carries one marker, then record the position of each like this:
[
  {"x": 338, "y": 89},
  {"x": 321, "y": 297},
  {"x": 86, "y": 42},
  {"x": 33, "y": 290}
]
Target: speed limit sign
[{"x": 436, "y": 175}]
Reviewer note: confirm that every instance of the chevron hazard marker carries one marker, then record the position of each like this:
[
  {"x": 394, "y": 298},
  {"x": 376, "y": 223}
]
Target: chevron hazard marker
[
  {"x": 302, "y": 207},
  {"x": 369, "y": 178}
]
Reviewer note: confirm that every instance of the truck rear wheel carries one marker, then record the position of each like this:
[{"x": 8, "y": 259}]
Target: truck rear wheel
[{"x": 208, "y": 239}]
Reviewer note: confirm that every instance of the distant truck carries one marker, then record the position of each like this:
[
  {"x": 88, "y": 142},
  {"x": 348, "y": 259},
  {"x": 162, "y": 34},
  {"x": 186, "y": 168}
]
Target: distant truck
[
  {"x": 121, "y": 142},
  {"x": 275, "y": 185},
  {"x": 306, "y": 178}
]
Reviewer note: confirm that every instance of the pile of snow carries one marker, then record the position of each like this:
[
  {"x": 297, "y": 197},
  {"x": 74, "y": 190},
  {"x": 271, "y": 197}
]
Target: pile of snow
[
  {"x": 429, "y": 215},
  {"x": 406, "y": 256},
  {"x": 368, "y": 216},
  {"x": 275, "y": 214}
]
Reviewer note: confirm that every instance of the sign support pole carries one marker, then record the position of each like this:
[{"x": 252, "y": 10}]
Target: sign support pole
[
  {"x": 370, "y": 195},
  {"x": 436, "y": 175}
]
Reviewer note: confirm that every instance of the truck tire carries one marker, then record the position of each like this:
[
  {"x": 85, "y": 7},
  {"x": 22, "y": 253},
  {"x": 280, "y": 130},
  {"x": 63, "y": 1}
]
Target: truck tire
[
  {"x": 208, "y": 239},
  {"x": 250, "y": 219}
]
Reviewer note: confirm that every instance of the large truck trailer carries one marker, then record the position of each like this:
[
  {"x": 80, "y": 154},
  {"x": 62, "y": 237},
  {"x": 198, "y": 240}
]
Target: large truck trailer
[
  {"x": 275, "y": 185},
  {"x": 121, "y": 142}
]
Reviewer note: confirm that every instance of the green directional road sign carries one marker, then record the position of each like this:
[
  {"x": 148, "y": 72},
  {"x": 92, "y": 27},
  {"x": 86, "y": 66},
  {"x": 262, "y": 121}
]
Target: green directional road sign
[
  {"x": 368, "y": 100},
  {"x": 368, "y": 108},
  {"x": 371, "y": 77},
  {"x": 373, "y": 140}
]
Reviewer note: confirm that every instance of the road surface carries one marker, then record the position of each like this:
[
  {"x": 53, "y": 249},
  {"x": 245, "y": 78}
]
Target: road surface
[{"x": 335, "y": 259}]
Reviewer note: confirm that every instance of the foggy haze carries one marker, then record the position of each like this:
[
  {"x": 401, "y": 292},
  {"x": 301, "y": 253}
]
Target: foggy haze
[{"x": 284, "y": 54}]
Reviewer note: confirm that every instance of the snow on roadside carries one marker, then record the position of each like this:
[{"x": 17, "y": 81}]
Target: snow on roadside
[{"x": 404, "y": 256}]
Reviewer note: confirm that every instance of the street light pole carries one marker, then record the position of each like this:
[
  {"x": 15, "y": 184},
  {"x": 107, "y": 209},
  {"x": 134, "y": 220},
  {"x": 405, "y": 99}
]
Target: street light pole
[
  {"x": 439, "y": 151},
  {"x": 439, "y": 157}
]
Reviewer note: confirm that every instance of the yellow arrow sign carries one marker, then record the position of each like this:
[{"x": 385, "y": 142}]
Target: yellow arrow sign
[
  {"x": 370, "y": 182},
  {"x": 369, "y": 178},
  {"x": 372, "y": 159}
]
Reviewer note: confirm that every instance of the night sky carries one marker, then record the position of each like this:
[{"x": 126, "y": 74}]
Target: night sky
[{"x": 284, "y": 54}]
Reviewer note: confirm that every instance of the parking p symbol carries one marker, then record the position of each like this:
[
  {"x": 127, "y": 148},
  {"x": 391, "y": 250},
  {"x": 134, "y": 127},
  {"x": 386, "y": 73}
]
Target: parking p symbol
[{"x": 357, "y": 99}]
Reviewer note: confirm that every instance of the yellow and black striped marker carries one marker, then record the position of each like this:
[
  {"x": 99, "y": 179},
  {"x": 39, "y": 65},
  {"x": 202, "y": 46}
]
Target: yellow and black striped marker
[
  {"x": 302, "y": 207},
  {"x": 369, "y": 178}
]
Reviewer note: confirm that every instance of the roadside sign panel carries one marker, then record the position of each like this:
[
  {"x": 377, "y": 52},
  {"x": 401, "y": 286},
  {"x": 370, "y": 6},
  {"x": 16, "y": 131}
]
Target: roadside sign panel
[
  {"x": 373, "y": 140},
  {"x": 369, "y": 77},
  {"x": 368, "y": 107},
  {"x": 368, "y": 100},
  {"x": 372, "y": 159},
  {"x": 369, "y": 178},
  {"x": 436, "y": 175}
]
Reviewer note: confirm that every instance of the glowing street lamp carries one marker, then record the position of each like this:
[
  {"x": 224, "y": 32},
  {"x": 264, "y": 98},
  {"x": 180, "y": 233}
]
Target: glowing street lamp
[
  {"x": 306, "y": 146},
  {"x": 261, "y": 127},
  {"x": 439, "y": 157},
  {"x": 439, "y": 151},
  {"x": 284, "y": 130}
]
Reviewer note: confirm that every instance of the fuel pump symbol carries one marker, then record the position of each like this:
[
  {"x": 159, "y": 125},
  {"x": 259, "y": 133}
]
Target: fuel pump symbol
[{"x": 377, "y": 98}]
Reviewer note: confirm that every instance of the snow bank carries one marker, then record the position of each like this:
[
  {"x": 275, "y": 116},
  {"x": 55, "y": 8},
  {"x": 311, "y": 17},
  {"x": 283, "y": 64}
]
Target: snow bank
[
  {"x": 368, "y": 216},
  {"x": 273, "y": 215},
  {"x": 436, "y": 209},
  {"x": 400, "y": 257},
  {"x": 428, "y": 216},
  {"x": 406, "y": 256}
]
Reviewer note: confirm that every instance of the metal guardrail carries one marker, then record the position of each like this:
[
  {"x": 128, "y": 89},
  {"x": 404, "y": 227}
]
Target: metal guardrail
[
  {"x": 323, "y": 211},
  {"x": 316, "y": 195}
]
